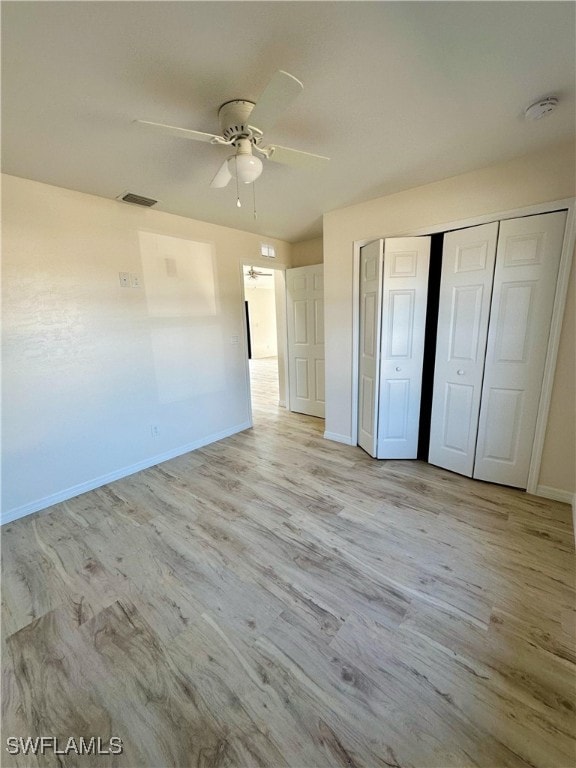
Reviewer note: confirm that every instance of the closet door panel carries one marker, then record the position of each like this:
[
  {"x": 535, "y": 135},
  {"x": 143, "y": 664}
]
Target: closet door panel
[
  {"x": 465, "y": 292},
  {"x": 527, "y": 263},
  {"x": 405, "y": 292},
  {"x": 369, "y": 352}
]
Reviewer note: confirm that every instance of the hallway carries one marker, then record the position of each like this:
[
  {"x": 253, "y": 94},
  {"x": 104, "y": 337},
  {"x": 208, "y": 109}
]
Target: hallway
[{"x": 264, "y": 388}]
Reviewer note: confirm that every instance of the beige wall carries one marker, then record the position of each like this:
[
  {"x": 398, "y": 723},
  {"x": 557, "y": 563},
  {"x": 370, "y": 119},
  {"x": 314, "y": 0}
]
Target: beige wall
[
  {"x": 89, "y": 367},
  {"x": 307, "y": 252},
  {"x": 525, "y": 181}
]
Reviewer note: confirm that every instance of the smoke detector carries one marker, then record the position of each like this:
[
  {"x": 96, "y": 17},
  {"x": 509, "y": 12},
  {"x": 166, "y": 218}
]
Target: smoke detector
[{"x": 541, "y": 108}]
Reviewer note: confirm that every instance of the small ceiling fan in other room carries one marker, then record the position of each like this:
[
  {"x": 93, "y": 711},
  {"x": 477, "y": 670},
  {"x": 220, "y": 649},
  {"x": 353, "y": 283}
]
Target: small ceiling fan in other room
[
  {"x": 242, "y": 125},
  {"x": 254, "y": 274}
]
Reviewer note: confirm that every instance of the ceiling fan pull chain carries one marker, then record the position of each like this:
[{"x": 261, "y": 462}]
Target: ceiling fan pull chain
[
  {"x": 254, "y": 198},
  {"x": 238, "y": 203}
]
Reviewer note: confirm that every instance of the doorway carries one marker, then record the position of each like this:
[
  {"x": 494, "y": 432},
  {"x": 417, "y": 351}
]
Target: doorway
[{"x": 262, "y": 342}]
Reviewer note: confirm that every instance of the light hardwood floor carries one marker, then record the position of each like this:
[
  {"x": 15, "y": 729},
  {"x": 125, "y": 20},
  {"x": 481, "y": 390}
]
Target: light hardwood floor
[{"x": 276, "y": 599}]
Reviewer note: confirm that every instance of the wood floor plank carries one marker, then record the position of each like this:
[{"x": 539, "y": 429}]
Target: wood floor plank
[
  {"x": 337, "y": 705},
  {"x": 510, "y": 663},
  {"x": 276, "y": 599},
  {"x": 53, "y": 669},
  {"x": 449, "y": 699},
  {"x": 234, "y": 689},
  {"x": 163, "y": 724}
]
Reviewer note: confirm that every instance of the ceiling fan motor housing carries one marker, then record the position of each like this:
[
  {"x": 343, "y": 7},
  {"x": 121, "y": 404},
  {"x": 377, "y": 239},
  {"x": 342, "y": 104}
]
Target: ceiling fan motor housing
[{"x": 233, "y": 116}]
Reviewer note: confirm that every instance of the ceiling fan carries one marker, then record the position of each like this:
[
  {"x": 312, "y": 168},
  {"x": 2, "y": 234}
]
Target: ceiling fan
[
  {"x": 242, "y": 125},
  {"x": 254, "y": 274}
]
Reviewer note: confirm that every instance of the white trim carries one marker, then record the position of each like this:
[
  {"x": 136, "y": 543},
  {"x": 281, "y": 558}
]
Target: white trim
[
  {"x": 245, "y": 346},
  {"x": 336, "y": 438},
  {"x": 97, "y": 482},
  {"x": 286, "y": 402},
  {"x": 556, "y": 494},
  {"x": 569, "y": 243}
]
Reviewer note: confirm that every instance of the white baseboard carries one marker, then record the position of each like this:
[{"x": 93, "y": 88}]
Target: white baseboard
[
  {"x": 97, "y": 482},
  {"x": 556, "y": 494},
  {"x": 336, "y": 438}
]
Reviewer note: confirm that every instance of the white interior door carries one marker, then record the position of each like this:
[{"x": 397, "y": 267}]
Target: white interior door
[
  {"x": 465, "y": 292},
  {"x": 371, "y": 260},
  {"x": 527, "y": 264},
  {"x": 405, "y": 292},
  {"x": 305, "y": 314}
]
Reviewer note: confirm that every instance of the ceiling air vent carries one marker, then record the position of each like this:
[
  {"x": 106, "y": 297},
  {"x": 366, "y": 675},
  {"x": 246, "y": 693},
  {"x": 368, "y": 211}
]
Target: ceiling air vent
[{"x": 130, "y": 197}]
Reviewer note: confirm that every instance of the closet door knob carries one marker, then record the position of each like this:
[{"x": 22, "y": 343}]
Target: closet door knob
[
  {"x": 398, "y": 368},
  {"x": 461, "y": 372}
]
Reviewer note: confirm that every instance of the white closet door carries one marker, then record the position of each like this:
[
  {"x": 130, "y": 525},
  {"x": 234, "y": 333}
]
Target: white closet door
[
  {"x": 305, "y": 315},
  {"x": 369, "y": 352},
  {"x": 405, "y": 292},
  {"x": 527, "y": 264},
  {"x": 465, "y": 292}
]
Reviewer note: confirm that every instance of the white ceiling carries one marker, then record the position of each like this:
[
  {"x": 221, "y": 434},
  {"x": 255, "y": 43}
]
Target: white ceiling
[{"x": 396, "y": 93}]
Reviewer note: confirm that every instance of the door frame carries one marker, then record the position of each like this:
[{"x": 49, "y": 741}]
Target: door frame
[
  {"x": 569, "y": 242},
  {"x": 279, "y": 271}
]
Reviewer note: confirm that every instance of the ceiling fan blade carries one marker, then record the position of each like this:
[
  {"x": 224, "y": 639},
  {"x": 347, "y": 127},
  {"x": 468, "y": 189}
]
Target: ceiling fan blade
[
  {"x": 277, "y": 96},
  {"x": 294, "y": 157},
  {"x": 184, "y": 133},
  {"x": 254, "y": 273},
  {"x": 222, "y": 177}
]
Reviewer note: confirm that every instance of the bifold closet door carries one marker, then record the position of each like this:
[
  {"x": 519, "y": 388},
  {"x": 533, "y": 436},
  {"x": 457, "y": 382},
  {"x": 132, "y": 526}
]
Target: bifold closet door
[
  {"x": 404, "y": 296},
  {"x": 527, "y": 263},
  {"x": 371, "y": 263},
  {"x": 393, "y": 294},
  {"x": 465, "y": 290}
]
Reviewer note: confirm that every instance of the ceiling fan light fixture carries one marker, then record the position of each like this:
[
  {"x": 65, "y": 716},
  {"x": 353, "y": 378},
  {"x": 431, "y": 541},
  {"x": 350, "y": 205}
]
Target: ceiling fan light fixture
[{"x": 248, "y": 167}]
